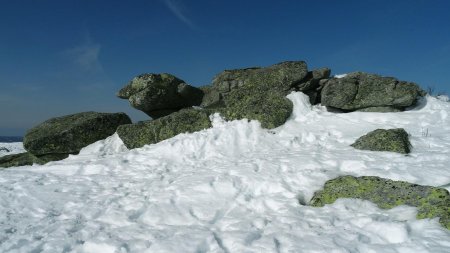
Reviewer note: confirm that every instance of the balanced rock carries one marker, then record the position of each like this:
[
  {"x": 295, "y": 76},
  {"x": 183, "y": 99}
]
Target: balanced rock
[
  {"x": 153, "y": 131},
  {"x": 393, "y": 140},
  {"x": 159, "y": 95},
  {"x": 431, "y": 202},
  {"x": 369, "y": 92},
  {"x": 68, "y": 134}
]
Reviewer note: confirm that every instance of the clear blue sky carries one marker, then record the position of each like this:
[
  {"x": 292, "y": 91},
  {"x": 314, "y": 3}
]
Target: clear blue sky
[{"x": 60, "y": 57}]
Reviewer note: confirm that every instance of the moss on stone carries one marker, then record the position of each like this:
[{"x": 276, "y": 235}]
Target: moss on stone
[
  {"x": 431, "y": 202},
  {"x": 393, "y": 140},
  {"x": 154, "y": 131}
]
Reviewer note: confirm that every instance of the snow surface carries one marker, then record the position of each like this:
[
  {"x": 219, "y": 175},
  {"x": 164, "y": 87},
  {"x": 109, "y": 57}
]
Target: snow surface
[
  {"x": 233, "y": 188},
  {"x": 340, "y": 76},
  {"x": 11, "y": 148}
]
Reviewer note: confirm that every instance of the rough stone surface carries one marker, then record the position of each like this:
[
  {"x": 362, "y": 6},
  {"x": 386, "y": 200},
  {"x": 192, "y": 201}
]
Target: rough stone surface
[
  {"x": 21, "y": 159},
  {"x": 281, "y": 77},
  {"x": 159, "y": 95},
  {"x": 149, "y": 132},
  {"x": 312, "y": 79},
  {"x": 68, "y": 134},
  {"x": 393, "y": 140},
  {"x": 360, "y": 90},
  {"x": 379, "y": 109},
  {"x": 272, "y": 109},
  {"x": 431, "y": 202}
]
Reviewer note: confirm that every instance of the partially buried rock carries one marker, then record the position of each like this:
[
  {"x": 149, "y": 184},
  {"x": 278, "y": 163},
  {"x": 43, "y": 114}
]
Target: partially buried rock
[
  {"x": 58, "y": 137},
  {"x": 393, "y": 140},
  {"x": 21, "y": 159},
  {"x": 431, "y": 202},
  {"x": 370, "y": 92},
  {"x": 159, "y": 95},
  {"x": 153, "y": 131},
  {"x": 272, "y": 109}
]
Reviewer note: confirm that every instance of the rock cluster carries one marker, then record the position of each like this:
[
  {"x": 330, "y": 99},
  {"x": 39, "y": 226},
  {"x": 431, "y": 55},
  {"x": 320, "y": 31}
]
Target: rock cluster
[{"x": 431, "y": 202}]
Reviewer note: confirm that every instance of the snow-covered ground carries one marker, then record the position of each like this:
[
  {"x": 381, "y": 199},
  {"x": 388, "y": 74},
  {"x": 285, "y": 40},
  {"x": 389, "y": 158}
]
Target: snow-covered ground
[
  {"x": 11, "y": 148},
  {"x": 233, "y": 188}
]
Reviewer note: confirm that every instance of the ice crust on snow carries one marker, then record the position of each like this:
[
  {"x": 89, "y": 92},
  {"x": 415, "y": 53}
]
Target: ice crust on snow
[{"x": 232, "y": 188}]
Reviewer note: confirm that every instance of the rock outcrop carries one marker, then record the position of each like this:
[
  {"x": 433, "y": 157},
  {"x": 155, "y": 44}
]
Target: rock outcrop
[
  {"x": 431, "y": 202},
  {"x": 61, "y": 136},
  {"x": 392, "y": 140},
  {"x": 369, "y": 92},
  {"x": 153, "y": 131},
  {"x": 257, "y": 93},
  {"x": 159, "y": 95},
  {"x": 281, "y": 78}
]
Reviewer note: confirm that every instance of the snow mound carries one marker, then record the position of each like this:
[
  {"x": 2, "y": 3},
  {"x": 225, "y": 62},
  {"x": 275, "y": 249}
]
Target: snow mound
[{"x": 232, "y": 188}]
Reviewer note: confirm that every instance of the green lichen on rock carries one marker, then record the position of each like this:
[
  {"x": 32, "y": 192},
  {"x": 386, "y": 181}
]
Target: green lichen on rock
[
  {"x": 393, "y": 140},
  {"x": 68, "y": 134},
  {"x": 154, "y": 131},
  {"x": 257, "y": 93},
  {"x": 360, "y": 90},
  {"x": 431, "y": 202},
  {"x": 280, "y": 78},
  {"x": 271, "y": 109}
]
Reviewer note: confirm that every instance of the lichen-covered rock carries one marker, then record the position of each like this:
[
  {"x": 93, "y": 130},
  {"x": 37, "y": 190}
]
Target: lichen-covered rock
[
  {"x": 258, "y": 93},
  {"x": 272, "y": 109},
  {"x": 360, "y": 90},
  {"x": 159, "y": 95},
  {"x": 393, "y": 140},
  {"x": 281, "y": 78},
  {"x": 431, "y": 202},
  {"x": 21, "y": 159},
  {"x": 153, "y": 131},
  {"x": 68, "y": 134}
]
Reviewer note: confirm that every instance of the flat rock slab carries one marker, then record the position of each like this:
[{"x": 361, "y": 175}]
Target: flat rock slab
[
  {"x": 392, "y": 140},
  {"x": 431, "y": 202},
  {"x": 69, "y": 134},
  {"x": 358, "y": 90}
]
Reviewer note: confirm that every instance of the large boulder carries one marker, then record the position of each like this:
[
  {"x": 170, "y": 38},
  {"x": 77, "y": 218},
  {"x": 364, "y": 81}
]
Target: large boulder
[
  {"x": 281, "y": 77},
  {"x": 68, "y": 134},
  {"x": 258, "y": 93},
  {"x": 153, "y": 131},
  {"x": 392, "y": 140},
  {"x": 431, "y": 202},
  {"x": 159, "y": 95},
  {"x": 369, "y": 92}
]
